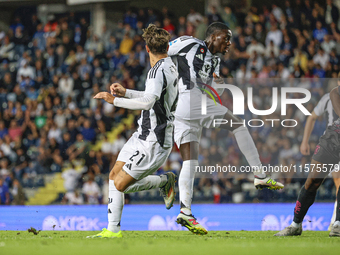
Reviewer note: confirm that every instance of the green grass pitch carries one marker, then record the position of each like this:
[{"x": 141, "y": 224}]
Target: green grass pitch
[{"x": 167, "y": 242}]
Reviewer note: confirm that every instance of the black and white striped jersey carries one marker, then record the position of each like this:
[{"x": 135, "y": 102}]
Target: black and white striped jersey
[
  {"x": 156, "y": 124},
  {"x": 195, "y": 62},
  {"x": 325, "y": 107}
]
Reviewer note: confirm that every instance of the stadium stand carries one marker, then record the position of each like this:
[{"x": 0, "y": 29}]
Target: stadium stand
[{"x": 50, "y": 124}]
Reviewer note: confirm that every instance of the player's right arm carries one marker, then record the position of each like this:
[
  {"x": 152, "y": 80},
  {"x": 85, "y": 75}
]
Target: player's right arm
[
  {"x": 140, "y": 101},
  {"x": 335, "y": 98},
  {"x": 318, "y": 111},
  {"x": 304, "y": 148},
  {"x": 146, "y": 102},
  {"x": 118, "y": 90}
]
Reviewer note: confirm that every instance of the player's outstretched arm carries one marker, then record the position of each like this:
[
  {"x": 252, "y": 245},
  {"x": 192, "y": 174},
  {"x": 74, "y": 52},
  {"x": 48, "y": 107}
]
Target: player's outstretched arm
[
  {"x": 118, "y": 90},
  {"x": 146, "y": 102},
  {"x": 335, "y": 98}
]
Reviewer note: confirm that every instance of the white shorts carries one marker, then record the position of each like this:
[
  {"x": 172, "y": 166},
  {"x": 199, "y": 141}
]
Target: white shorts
[
  {"x": 189, "y": 121},
  {"x": 142, "y": 158}
]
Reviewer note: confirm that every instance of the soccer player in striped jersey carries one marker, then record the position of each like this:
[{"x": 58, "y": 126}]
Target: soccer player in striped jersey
[
  {"x": 197, "y": 64},
  {"x": 149, "y": 147},
  {"x": 326, "y": 156},
  {"x": 324, "y": 106}
]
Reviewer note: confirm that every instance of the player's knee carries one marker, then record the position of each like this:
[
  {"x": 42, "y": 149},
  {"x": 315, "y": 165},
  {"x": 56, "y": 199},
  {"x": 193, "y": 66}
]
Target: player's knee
[
  {"x": 313, "y": 184},
  {"x": 120, "y": 186},
  {"x": 336, "y": 181}
]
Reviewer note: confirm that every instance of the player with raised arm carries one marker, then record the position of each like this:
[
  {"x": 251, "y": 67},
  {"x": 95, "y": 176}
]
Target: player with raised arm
[
  {"x": 197, "y": 65},
  {"x": 324, "y": 106},
  {"x": 327, "y": 153},
  {"x": 149, "y": 147}
]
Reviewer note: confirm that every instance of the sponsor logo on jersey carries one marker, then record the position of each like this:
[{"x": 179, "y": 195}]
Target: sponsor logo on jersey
[
  {"x": 199, "y": 56},
  {"x": 207, "y": 68},
  {"x": 172, "y": 42},
  {"x": 215, "y": 62}
]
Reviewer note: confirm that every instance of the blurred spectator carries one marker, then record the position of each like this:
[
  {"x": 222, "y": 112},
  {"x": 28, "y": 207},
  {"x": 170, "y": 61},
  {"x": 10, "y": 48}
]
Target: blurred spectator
[
  {"x": 319, "y": 32},
  {"x": 193, "y": 17},
  {"x": 321, "y": 58},
  {"x": 168, "y": 26},
  {"x": 331, "y": 13},
  {"x": 66, "y": 84},
  {"x": 91, "y": 190},
  {"x": 255, "y": 46},
  {"x": 229, "y": 18},
  {"x": 14, "y": 130},
  {"x": 126, "y": 45},
  {"x": 71, "y": 177},
  {"x": 328, "y": 45},
  {"x": 87, "y": 131},
  {"x": 201, "y": 29},
  {"x": 73, "y": 198},
  {"x": 277, "y": 12},
  {"x": 4, "y": 171},
  {"x": 214, "y": 16},
  {"x": 4, "y": 193},
  {"x": 274, "y": 35},
  {"x": 17, "y": 193},
  {"x": 7, "y": 49},
  {"x": 77, "y": 149},
  {"x": 3, "y": 129}
]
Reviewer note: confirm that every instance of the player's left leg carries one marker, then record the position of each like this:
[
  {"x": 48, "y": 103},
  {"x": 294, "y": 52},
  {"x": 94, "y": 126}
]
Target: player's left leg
[
  {"x": 187, "y": 136},
  {"x": 306, "y": 198},
  {"x": 248, "y": 149},
  {"x": 115, "y": 204},
  {"x": 132, "y": 172},
  {"x": 122, "y": 182},
  {"x": 189, "y": 152}
]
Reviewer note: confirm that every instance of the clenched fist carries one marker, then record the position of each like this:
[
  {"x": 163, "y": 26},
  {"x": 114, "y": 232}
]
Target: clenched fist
[{"x": 117, "y": 90}]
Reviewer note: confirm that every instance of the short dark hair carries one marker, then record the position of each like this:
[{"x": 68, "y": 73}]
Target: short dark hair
[
  {"x": 157, "y": 39},
  {"x": 217, "y": 27}
]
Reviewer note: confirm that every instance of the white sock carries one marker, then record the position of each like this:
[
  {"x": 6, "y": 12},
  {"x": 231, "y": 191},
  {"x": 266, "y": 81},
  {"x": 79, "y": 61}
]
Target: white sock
[
  {"x": 247, "y": 146},
  {"x": 186, "y": 184},
  {"x": 337, "y": 223},
  {"x": 115, "y": 207},
  {"x": 149, "y": 182},
  {"x": 295, "y": 225},
  {"x": 334, "y": 213}
]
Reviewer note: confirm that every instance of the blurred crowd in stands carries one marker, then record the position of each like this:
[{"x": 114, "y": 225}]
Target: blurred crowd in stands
[{"x": 49, "y": 121}]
